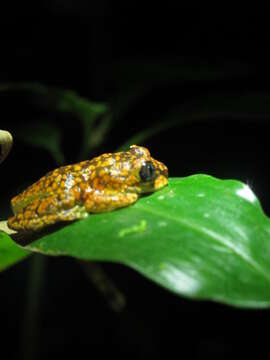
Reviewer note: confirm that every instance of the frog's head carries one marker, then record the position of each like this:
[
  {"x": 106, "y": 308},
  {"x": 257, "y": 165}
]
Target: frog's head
[{"x": 138, "y": 172}]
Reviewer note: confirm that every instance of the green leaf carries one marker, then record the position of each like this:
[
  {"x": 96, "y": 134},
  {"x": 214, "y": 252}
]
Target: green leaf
[
  {"x": 200, "y": 237},
  {"x": 10, "y": 253}
]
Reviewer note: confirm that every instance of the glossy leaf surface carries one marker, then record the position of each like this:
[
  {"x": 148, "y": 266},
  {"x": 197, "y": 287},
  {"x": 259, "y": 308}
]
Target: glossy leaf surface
[{"x": 200, "y": 237}]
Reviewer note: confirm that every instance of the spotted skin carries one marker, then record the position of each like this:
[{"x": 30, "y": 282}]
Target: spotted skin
[{"x": 71, "y": 192}]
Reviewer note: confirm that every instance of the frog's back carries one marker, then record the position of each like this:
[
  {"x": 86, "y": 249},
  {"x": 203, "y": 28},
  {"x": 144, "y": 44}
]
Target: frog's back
[{"x": 53, "y": 183}]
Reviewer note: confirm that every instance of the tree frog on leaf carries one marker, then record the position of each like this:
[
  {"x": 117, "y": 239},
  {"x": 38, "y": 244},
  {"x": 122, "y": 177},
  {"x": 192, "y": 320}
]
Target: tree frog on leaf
[{"x": 107, "y": 182}]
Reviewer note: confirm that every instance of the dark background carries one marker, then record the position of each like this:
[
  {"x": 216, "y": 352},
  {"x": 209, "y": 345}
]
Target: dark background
[{"x": 107, "y": 51}]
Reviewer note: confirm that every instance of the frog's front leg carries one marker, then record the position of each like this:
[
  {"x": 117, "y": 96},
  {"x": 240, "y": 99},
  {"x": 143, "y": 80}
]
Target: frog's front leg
[{"x": 101, "y": 202}]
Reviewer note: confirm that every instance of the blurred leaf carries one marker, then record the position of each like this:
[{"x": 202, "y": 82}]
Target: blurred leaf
[
  {"x": 60, "y": 99},
  {"x": 130, "y": 71},
  {"x": 89, "y": 113},
  {"x": 252, "y": 107},
  {"x": 136, "y": 78},
  {"x": 200, "y": 237},
  {"x": 97, "y": 134},
  {"x": 10, "y": 253},
  {"x": 45, "y": 135}
]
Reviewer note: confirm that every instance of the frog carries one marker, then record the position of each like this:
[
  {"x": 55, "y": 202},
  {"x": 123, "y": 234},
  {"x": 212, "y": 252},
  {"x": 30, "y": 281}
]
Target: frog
[{"x": 105, "y": 183}]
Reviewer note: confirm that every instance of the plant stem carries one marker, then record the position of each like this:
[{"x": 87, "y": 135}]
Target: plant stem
[
  {"x": 111, "y": 294},
  {"x": 31, "y": 318}
]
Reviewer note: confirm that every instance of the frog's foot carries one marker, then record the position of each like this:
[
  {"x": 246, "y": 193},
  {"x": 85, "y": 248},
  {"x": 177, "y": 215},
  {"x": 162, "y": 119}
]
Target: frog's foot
[
  {"x": 44, "y": 212},
  {"x": 102, "y": 202}
]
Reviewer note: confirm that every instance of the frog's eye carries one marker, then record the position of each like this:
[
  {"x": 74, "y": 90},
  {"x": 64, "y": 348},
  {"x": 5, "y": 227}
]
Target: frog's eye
[{"x": 147, "y": 171}]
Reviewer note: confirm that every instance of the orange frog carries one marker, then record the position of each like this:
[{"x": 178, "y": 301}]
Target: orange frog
[{"x": 71, "y": 192}]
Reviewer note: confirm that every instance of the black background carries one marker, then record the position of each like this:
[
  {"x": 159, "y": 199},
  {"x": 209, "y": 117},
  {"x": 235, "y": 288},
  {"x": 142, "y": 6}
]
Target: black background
[{"x": 97, "y": 49}]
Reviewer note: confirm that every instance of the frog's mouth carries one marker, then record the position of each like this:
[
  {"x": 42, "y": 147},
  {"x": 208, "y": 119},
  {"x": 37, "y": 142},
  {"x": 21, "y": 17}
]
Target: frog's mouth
[
  {"x": 152, "y": 186},
  {"x": 160, "y": 182}
]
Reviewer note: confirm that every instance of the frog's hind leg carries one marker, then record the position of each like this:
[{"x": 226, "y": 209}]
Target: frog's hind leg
[{"x": 44, "y": 212}]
